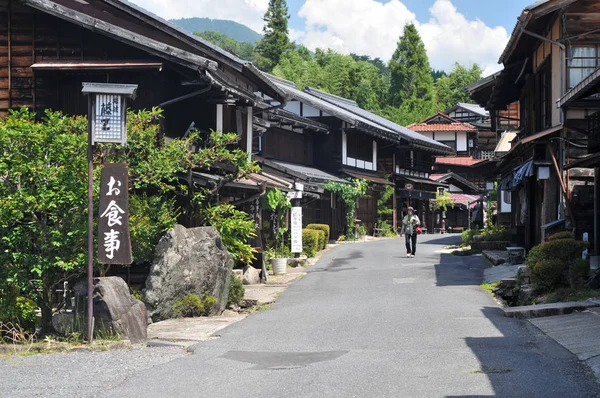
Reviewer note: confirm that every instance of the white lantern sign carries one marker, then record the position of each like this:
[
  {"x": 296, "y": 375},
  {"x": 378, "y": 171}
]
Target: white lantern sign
[{"x": 108, "y": 111}]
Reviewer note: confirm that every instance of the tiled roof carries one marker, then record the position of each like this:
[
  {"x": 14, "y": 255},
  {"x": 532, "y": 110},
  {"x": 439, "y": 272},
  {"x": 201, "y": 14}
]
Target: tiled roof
[
  {"x": 402, "y": 132},
  {"x": 292, "y": 92},
  {"x": 310, "y": 172},
  {"x": 458, "y": 161},
  {"x": 464, "y": 200},
  {"x": 457, "y": 126},
  {"x": 457, "y": 180}
]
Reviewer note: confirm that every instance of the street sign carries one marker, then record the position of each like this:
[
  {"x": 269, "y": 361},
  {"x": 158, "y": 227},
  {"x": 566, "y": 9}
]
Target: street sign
[
  {"x": 294, "y": 195},
  {"x": 296, "y": 229},
  {"x": 114, "y": 244}
]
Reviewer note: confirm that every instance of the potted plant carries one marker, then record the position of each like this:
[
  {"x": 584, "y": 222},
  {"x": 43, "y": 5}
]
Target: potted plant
[{"x": 278, "y": 202}]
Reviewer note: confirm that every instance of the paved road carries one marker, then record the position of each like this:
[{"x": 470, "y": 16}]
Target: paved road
[
  {"x": 368, "y": 322},
  {"x": 365, "y": 322}
]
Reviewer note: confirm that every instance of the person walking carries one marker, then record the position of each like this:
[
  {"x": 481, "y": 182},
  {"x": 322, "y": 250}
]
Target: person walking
[{"x": 409, "y": 229}]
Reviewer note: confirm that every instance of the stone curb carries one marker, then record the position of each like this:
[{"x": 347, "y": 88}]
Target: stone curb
[{"x": 544, "y": 310}]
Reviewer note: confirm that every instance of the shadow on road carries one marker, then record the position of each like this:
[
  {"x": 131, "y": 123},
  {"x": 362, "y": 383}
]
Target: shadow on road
[
  {"x": 447, "y": 240},
  {"x": 519, "y": 360},
  {"x": 459, "y": 271}
]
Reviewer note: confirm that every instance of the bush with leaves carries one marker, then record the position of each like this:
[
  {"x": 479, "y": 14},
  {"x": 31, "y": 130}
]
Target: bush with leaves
[
  {"x": 310, "y": 242},
  {"x": 350, "y": 192},
  {"x": 43, "y": 194},
  {"x": 551, "y": 263},
  {"x": 467, "y": 236},
  {"x": 236, "y": 291},
  {"x": 322, "y": 227},
  {"x": 561, "y": 235},
  {"x": 279, "y": 203},
  {"x": 191, "y": 305},
  {"x": 43, "y": 204},
  {"x": 236, "y": 229},
  {"x": 386, "y": 229}
]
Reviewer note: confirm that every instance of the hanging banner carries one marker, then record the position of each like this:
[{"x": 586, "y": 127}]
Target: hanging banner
[
  {"x": 296, "y": 229},
  {"x": 114, "y": 244}
]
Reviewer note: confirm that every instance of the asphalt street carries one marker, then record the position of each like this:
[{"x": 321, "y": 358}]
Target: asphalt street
[{"x": 368, "y": 322}]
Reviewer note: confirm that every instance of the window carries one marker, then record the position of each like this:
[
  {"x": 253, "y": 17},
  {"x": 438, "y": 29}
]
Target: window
[
  {"x": 581, "y": 63},
  {"x": 451, "y": 144},
  {"x": 360, "y": 147}
]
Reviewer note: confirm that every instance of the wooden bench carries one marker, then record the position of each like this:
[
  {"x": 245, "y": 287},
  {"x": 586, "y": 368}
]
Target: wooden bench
[
  {"x": 457, "y": 229},
  {"x": 377, "y": 232}
]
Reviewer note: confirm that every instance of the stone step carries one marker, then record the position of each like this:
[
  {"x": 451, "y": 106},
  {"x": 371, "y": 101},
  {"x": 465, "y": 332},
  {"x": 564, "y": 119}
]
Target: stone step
[{"x": 543, "y": 310}]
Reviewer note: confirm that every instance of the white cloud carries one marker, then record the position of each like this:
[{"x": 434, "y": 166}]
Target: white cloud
[
  {"x": 247, "y": 12},
  {"x": 450, "y": 37},
  {"x": 362, "y": 26},
  {"x": 358, "y": 26},
  {"x": 373, "y": 28}
]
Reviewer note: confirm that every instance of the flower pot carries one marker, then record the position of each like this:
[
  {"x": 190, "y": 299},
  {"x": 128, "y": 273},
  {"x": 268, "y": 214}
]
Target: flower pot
[{"x": 279, "y": 265}]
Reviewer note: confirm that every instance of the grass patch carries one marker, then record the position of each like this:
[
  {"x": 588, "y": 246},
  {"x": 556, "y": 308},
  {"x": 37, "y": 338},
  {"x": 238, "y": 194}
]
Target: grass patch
[
  {"x": 261, "y": 308},
  {"x": 568, "y": 294},
  {"x": 489, "y": 287}
]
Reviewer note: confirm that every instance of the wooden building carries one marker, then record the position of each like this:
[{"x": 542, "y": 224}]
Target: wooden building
[
  {"x": 360, "y": 144},
  {"x": 458, "y": 135},
  {"x": 549, "y": 59},
  {"x": 468, "y": 204}
]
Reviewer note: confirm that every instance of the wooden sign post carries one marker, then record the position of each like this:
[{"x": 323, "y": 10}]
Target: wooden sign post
[{"x": 106, "y": 123}]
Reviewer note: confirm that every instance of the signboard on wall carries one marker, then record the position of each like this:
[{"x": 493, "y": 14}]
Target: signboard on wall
[{"x": 296, "y": 229}]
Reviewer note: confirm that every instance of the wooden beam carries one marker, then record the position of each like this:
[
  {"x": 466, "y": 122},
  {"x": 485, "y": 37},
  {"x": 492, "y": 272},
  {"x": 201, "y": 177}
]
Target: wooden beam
[{"x": 147, "y": 44}]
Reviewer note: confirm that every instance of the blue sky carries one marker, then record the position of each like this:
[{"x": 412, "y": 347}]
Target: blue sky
[
  {"x": 464, "y": 31},
  {"x": 492, "y": 12}
]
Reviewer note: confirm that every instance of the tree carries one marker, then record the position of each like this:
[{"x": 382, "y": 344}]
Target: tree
[
  {"x": 275, "y": 39},
  {"x": 350, "y": 192},
  {"x": 242, "y": 50},
  {"x": 337, "y": 74},
  {"x": 451, "y": 89},
  {"x": 43, "y": 196},
  {"x": 411, "y": 86}
]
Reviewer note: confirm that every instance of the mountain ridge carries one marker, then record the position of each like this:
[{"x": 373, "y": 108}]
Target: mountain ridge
[{"x": 237, "y": 31}]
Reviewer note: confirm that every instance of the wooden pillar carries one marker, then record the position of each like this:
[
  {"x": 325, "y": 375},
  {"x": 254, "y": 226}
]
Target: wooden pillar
[
  {"x": 219, "y": 121},
  {"x": 249, "y": 132},
  {"x": 395, "y": 210}
]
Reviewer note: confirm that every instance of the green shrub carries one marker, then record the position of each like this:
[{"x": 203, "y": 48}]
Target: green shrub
[
  {"x": 553, "y": 262},
  {"x": 386, "y": 229},
  {"x": 580, "y": 270},
  {"x": 17, "y": 310},
  {"x": 467, "y": 236},
  {"x": 236, "y": 291},
  {"x": 321, "y": 243},
  {"x": 495, "y": 234},
  {"x": 361, "y": 230},
  {"x": 550, "y": 274},
  {"x": 135, "y": 293},
  {"x": 561, "y": 235},
  {"x": 191, "y": 305},
  {"x": 322, "y": 227},
  {"x": 310, "y": 242}
]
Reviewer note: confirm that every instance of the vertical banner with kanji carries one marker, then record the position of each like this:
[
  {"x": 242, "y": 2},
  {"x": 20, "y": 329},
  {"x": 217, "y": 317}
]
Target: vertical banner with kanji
[
  {"x": 296, "y": 230},
  {"x": 114, "y": 244}
]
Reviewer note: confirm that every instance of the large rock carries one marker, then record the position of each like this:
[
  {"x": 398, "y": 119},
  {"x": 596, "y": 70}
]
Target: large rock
[
  {"x": 188, "y": 261},
  {"x": 115, "y": 310},
  {"x": 251, "y": 275}
]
